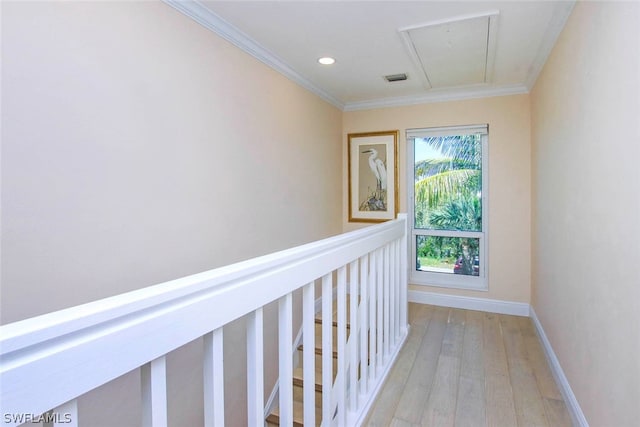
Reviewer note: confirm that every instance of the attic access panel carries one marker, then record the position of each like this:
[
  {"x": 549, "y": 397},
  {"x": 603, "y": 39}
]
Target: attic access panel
[{"x": 455, "y": 52}]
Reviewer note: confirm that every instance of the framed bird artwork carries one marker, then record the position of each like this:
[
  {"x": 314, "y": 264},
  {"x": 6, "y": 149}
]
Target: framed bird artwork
[{"x": 373, "y": 176}]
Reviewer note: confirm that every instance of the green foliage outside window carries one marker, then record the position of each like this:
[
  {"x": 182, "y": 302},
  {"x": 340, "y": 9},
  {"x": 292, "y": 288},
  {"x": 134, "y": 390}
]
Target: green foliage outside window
[{"x": 448, "y": 190}]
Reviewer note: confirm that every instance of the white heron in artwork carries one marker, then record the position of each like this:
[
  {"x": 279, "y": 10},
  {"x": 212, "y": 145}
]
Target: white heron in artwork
[{"x": 377, "y": 167}]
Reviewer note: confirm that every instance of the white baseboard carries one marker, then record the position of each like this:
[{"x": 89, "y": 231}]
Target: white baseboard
[
  {"x": 577, "y": 416},
  {"x": 470, "y": 303}
]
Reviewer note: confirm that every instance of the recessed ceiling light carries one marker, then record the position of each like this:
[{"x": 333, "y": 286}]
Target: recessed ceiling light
[{"x": 326, "y": 60}]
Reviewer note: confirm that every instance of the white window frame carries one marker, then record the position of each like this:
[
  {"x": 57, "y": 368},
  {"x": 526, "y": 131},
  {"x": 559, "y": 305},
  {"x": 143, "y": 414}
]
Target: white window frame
[{"x": 480, "y": 282}]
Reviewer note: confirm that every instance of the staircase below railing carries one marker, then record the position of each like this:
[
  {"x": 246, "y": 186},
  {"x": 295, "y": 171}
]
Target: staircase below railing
[{"x": 49, "y": 361}]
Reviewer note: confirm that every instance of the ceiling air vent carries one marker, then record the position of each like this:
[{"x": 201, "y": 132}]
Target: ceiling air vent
[{"x": 395, "y": 77}]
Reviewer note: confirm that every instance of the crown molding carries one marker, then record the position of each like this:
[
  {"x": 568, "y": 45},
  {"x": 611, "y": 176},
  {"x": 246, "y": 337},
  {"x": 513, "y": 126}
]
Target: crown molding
[
  {"x": 440, "y": 95},
  {"x": 563, "y": 10},
  {"x": 208, "y": 19}
]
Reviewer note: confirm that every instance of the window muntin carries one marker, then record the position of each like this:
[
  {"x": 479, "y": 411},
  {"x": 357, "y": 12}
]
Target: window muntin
[{"x": 448, "y": 206}]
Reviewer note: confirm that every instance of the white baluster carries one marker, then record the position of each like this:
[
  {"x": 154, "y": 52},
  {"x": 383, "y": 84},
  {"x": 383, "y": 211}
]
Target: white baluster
[
  {"x": 341, "y": 379},
  {"x": 255, "y": 369},
  {"x": 387, "y": 300},
  {"x": 399, "y": 268},
  {"x": 213, "y": 373},
  {"x": 308, "y": 355},
  {"x": 285, "y": 328},
  {"x": 380, "y": 306},
  {"x": 327, "y": 350},
  {"x": 373, "y": 301},
  {"x": 394, "y": 292},
  {"x": 353, "y": 335},
  {"x": 403, "y": 276},
  {"x": 364, "y": 325},
  {"x": 154, "y": 393}
]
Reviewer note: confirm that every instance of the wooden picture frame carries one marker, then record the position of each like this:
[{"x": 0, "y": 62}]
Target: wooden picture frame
[{"x": 373, "y": 176}]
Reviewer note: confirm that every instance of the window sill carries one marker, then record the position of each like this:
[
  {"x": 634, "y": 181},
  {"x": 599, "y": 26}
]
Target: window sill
[{"x": 450, "y": 281}]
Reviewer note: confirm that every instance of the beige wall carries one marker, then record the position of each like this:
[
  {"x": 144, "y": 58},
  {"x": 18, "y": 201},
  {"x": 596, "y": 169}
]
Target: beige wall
[
  {"x": 509, "y": 179},
  {"x": 586, "y": 208},
  {"x": 139, "y": 147}
]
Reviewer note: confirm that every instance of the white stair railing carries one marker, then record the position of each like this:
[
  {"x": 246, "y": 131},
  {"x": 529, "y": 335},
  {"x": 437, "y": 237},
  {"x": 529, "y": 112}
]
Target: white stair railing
[
  {"x": 378, "y": 298},
  {"x": 76, "y": 350}
]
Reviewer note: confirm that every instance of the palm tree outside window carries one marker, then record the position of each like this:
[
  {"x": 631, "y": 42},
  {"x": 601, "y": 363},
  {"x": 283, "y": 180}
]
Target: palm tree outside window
[{"x": 448, "y": 201}]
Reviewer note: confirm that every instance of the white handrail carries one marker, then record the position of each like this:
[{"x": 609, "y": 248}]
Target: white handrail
[{"x": 79, "y": 349}]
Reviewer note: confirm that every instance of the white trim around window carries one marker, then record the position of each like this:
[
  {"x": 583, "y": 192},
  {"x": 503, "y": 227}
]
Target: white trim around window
[{"x": 417, "y": 275}]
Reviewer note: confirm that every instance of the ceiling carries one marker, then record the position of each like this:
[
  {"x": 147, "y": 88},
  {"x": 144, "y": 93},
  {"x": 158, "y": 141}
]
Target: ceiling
[{"x": 448, "y": 49}]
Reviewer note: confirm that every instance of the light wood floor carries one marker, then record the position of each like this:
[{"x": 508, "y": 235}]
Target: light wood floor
[{"x": 469, "y": 368}]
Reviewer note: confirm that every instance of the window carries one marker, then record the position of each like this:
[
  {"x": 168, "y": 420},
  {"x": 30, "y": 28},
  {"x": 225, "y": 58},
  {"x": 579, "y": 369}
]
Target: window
[{"x": 448, "y": 206}]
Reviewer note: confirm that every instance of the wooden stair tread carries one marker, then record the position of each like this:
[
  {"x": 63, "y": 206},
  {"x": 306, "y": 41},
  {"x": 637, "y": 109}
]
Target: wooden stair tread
[
  {"x": 318, "y": 321},
  {"x": 298, "y": 380},
  {"x": 334, "y": 311},
  {"x": 318, "y": 351},
  {"x": 298, "y": 408},
  {"x": 298, "y": 415}
]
